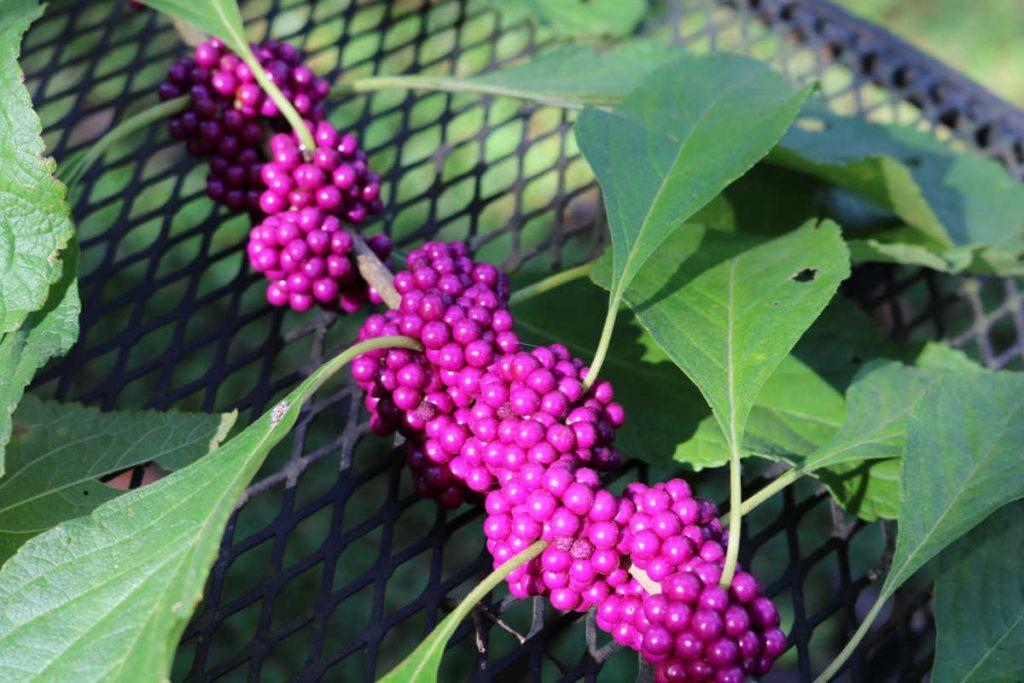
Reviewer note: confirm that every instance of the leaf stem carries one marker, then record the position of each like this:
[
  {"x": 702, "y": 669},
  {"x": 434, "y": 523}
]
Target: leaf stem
[
  {"x": 771, "y": 488},
  {"x": 391, "y": 342},
  {"x": 458, "y": 85},
  {"x": 732, "y": 550},
  {"x": 605, "y": 341},
  {"x": 283, "y": 104},
  {"x": 549, "y": 283},
  {"x": 76, "y": 166},
  {"x": 858, "y": 636}
]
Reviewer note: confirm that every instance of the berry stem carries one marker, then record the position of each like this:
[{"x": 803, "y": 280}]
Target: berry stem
[
  {"x": 283, "y": 104},
  {"x": 458, "y": 85},
  {"x": 732, "y": 551},
  {"x": 771, "y": 488},
  {"x": 862, "y": 631},
  {"x": 549, "y": 283},
  {"x": 375, "y": 272},
  {"x": 605, "y": 341},
  {"x": 76, "y": 166}
]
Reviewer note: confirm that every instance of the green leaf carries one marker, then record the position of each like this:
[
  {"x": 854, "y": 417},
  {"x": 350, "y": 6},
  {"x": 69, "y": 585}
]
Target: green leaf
[
  {"x": 60, "y": 450},
  {"x": 35, "y": 222},
  {"x": 878, "y": 405},
  {"x": 675, "y": 142},
  {"x": 938, "y": 356},
  {"x": 107, "y": 596},
  {"x": 220, "y": 18},
  {"x": 961, "y": 206},
  {"x": 871, "y": 250},
  {"x": 979, "y": 603},
  {"x": 587, "y": 18},
  {"x": 423, "y": 664},
  {"x": 45, "y": 334},
  {"x": 729, "y": 315},
  {"x": 962, "y": 462},
  {"x": 869, "y": 490}
]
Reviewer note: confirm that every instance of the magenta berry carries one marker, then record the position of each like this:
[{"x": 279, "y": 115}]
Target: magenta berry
[{"x": 301, "y": 253}]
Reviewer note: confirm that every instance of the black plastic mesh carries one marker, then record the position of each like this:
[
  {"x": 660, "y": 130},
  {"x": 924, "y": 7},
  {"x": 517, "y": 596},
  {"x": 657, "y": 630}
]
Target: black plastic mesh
[{"x": 332, "y": 568}]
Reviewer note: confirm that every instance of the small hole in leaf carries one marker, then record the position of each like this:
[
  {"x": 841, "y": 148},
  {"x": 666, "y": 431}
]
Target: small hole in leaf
[
  {"x": 806, "y": 275},
  {"x": 913, "y": 162},
  {"x": 85, "y": 493},
  {"x": 775, "y": 303}
]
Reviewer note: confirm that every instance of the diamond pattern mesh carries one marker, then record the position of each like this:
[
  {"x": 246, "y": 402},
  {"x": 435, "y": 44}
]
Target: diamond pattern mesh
[{"x": 332, "y": 568}]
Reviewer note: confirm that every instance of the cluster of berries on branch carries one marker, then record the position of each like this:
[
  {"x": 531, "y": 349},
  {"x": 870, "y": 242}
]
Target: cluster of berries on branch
[
  {"x": 301, "y": 200},
  {"x": 485, "y": 418}
]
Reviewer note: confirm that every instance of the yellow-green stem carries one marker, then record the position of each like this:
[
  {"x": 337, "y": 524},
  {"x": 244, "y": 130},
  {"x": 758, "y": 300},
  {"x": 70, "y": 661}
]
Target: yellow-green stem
[
  {"x": 606, "y": 338},
  {"x": 771, "y": 488},
  {"x": 392, "y": 342},
  {"x": 862, "y": 631},
  {"x": 293, "y": 117},
  {"x": 732, "y": 550},
  {"x": 547, "y": 284},
  {"x": 74, "y": 168},
  {"x": 458, "y": 85}
]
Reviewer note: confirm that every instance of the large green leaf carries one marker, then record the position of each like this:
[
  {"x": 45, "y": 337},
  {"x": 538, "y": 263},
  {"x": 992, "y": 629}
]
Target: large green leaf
[
  {"x": 979, "y": 603},
  {"x": 963, "y": 207},
  {"x": 675, "y": 142},
  {"x": 728, "y": 316},
  {"x": 106, "y": 597},
  {"x": 584, "y": 18},
  {"x": 870, "y": 488},
  {"x": 878, "y": 405},
  {"x": 422, "y": 665},
  {"x": 45, "y": 334},
  {"x": 39, "y": 303},
  {"x": 962, "y": 462},
  {"x": 60, "y": 450},
  {"x": 35, "y": 222},
  {"x": 219, "y": 18}
]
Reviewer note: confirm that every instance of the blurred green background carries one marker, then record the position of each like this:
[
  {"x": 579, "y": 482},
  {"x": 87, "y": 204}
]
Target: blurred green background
[{"x": 982, "y": 38}]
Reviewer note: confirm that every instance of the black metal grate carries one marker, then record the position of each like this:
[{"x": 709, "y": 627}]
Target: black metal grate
[{"x": 332, "y": 568}]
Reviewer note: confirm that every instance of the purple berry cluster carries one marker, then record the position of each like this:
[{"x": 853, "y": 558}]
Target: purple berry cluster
[
  {"x": 693, "y": 630},
  {"x": 335, "y": 179},
  {"x": 457, "y": 309},
  {"x": 228, "y": 110},
  {"x": 300, "y": 246},
  {"x": 308, "y": 258},
  {"x": 483, "y": 418}
]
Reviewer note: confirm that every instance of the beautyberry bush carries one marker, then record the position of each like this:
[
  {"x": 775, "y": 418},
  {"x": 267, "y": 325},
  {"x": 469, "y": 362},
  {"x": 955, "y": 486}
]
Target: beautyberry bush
[{"x": 527, "y": 421}]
